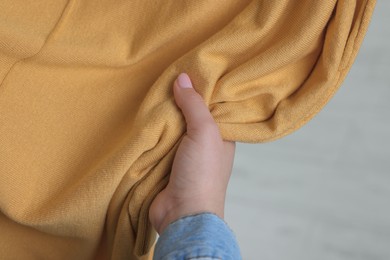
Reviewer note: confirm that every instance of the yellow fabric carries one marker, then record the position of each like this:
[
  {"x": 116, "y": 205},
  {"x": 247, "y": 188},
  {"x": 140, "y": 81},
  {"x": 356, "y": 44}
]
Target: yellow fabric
[{"x": 88, "y": 123}]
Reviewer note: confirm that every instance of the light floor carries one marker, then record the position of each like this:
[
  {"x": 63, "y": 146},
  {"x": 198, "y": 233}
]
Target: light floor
[{"x": 323, "y": 192}]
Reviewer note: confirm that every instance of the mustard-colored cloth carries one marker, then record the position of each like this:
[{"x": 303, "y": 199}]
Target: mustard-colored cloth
[{"x": 88, "y": 123}]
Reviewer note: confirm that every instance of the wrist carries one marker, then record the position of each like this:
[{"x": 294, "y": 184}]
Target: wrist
[{"x": 186, "y": 208}]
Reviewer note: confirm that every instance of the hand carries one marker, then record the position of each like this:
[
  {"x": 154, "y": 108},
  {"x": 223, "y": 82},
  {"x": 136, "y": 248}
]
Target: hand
[{"x": 202, "y": 165}]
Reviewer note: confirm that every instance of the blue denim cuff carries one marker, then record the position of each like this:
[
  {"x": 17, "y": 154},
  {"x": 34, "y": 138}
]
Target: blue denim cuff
[{"x": 201, "y": 236}]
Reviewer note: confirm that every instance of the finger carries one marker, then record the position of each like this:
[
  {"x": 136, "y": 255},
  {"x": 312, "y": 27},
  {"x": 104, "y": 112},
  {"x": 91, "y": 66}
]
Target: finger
[{"x": 195, "y": 111}]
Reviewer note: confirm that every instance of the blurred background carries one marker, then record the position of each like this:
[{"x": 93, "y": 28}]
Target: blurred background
[{"x": 323, "y": 192}]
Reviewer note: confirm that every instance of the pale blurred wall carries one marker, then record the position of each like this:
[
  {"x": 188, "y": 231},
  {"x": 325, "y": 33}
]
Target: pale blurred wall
[{"x": 323, "y": 192}]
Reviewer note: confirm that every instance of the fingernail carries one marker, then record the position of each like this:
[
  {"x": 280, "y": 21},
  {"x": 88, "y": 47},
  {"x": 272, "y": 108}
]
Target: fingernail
[{"x": 184, "y": 81}]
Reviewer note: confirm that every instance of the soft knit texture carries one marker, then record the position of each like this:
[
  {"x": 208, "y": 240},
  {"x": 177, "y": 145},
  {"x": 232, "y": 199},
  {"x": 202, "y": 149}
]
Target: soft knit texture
[{"x": 88, "y": 123}]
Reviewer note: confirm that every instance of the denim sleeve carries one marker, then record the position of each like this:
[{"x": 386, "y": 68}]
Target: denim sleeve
[{"x": 203, "y": 236}]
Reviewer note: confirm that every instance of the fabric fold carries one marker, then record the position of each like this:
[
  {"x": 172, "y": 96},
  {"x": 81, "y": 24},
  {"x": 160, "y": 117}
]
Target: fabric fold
[{"x": 88, "y": 124}]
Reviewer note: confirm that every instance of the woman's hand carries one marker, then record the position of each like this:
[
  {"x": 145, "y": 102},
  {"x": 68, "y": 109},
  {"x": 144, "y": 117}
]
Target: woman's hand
[{"x": 202, "y": 165}]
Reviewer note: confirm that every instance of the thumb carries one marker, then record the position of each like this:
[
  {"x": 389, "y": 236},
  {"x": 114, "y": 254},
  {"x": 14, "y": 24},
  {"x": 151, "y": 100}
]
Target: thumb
[{"x": 195, "y": 111}]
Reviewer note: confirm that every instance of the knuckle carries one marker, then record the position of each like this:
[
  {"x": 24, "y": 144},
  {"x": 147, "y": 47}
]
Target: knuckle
[{"x": 193, "y": 96}]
